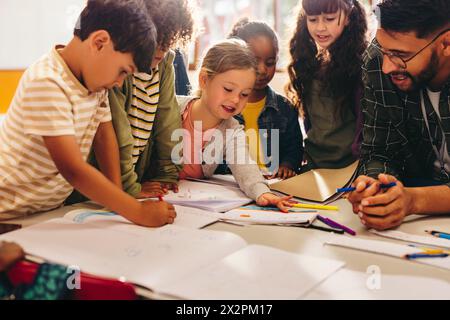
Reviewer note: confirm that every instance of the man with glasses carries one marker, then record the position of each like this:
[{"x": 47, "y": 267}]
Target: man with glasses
[{"x": 406, "y": 105}]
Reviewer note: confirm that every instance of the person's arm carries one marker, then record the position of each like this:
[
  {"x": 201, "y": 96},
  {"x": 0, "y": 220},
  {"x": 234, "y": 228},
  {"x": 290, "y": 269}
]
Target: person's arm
[
  {"x": 68, "y": 159},
  {"x": 167, "y": 120},
  {"x": 107, "y": 152},
  {"x": 119, "y": 101},
  {"x": 291, "y": 143},
  {"x": 247, "y": 173},
  {"x": 383, "y": 132},
  {"x": 430, "y": 200},
  {"x": 383, "y": 136}
]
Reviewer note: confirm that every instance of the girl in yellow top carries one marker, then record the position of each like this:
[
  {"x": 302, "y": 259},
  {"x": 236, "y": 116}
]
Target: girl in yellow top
[{"x": 270, "y": 121}]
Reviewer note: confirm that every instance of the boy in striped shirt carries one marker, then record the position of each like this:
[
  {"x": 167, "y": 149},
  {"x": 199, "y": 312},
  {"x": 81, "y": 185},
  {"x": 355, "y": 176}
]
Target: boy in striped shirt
[{"x": 61, "y": 110}]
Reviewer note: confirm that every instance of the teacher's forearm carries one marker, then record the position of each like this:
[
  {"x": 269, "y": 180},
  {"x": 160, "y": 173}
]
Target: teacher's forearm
[{"x": 430, "y": 200}]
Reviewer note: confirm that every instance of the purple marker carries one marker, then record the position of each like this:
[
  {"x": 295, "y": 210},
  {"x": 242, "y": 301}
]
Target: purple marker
[{"x": 335, "y": 225}]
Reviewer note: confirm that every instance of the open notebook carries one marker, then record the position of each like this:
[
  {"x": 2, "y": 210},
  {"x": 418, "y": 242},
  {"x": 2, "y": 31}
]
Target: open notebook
[
  {"x": 208, "y": 196},
  {"x": 318, "y": 185},
  {"x": 172, "y": 260},
  {"x": 253, "y": 214}
]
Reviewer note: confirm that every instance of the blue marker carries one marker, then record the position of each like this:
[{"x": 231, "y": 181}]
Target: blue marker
[
  {"x": 439, "y": 234},
  {"x": 383, "y": 186},
  {"x": 425, "y": 255}
]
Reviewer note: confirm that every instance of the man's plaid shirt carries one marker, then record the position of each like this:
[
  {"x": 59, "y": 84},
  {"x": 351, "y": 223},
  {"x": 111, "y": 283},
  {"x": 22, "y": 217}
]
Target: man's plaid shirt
[{"x": 395, "y": 136}]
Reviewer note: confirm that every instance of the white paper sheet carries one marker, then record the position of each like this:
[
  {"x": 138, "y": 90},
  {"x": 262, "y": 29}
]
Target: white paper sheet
[
  {"x": 209, "y": 197},
  {"x": 428, "y": 240},
  {"x": 256, "y": 272},
  {"x": 148, "y": 257},
  {"x": 255, "y": 215},
  {"x": 386, "y": 248},
  {"x": 348, "y": 284},
  {"x": 186, "y": 217}
]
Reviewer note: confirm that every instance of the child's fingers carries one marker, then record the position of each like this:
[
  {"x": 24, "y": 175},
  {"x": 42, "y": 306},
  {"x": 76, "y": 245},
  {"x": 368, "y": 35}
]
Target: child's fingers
[
  {"x": 286, "y": 199},
  {"x": 291, "y": 173},
  {"x": 262, "y": 201},
  {"x": 281, "y": 206},
  {"x": 273, "y": 176}
]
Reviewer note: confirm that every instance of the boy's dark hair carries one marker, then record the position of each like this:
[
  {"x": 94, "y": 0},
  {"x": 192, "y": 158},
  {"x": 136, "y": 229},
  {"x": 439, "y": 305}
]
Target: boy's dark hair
[
  {"x": 128, "y": 24},
  {"x": 341, "y": 72},
  {"x": 425, "y": 17},
  {"x": 174, "y": 21},
  {"x": 246, "y": 30}
]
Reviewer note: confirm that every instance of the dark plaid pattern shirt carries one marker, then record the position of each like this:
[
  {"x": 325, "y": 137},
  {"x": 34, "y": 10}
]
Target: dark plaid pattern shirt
[{"x": 395, "y": 136}]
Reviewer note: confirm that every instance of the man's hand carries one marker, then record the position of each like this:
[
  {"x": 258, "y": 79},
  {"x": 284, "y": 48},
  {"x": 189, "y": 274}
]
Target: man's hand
[
  {"x": 387, "y": 209},
  {"x": 365, "y": 187}
]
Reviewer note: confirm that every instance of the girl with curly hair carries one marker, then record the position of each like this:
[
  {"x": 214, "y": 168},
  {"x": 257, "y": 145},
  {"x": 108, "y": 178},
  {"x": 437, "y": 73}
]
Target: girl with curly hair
[
  {"x": 326, "y": 79},
  {"x": 267, "y": 110},
  {"x": 145, "y": 111}
]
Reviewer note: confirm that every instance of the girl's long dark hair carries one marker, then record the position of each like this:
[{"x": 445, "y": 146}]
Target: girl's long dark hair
[{"x": 342, "y": 72}]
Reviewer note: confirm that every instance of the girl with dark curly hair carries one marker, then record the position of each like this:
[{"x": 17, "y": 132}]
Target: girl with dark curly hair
[
  {"x": 326, "y": 80},
  {"x": 266, "y": 110}
]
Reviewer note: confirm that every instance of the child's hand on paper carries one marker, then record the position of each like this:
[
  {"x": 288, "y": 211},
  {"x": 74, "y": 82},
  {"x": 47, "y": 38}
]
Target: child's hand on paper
[
  {"x": 151, "y": 189},
  {"x": 270, "y": 199},
  {"x": 283, "y": 172},
  {"x": 155, "y": 214},
  {"x": 170, "y": 186},
  {"x": 10, "y": 253}
]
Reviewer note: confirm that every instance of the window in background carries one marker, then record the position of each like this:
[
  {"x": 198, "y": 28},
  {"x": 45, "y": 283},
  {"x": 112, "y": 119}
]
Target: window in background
[
  {"x": 30, "y": 28},
  {"x": 218, "y": 16}
]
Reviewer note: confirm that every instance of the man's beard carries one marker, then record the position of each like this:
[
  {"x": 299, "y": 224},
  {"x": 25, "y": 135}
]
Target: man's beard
[{"x": 420, "y": 81}]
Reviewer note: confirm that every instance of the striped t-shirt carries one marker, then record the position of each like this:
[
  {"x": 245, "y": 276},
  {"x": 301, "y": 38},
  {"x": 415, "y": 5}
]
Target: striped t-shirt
[
  {"x": 49, "y": 101},
  {"x": 143, "y": 109}
]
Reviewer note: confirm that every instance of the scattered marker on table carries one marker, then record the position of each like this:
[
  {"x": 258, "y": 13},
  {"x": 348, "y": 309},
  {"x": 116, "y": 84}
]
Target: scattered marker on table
[{"x": 351, "y": 189}]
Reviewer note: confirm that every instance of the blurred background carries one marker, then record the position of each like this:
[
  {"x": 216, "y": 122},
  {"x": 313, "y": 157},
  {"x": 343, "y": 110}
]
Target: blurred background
[{"x": 29, "y": 29}]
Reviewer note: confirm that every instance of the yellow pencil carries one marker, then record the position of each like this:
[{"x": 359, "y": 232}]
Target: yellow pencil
[
  {"x": 315, "y": 206},
  {"x": 434, "y": 251}
]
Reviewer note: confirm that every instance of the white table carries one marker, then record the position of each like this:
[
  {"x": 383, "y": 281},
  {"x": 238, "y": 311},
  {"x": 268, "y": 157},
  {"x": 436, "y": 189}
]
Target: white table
[{"x": 310, "y": 242}]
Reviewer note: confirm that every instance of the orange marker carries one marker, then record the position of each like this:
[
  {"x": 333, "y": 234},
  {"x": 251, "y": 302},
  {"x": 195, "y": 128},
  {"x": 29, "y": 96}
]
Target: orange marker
[{"x": 245, "y": 216}]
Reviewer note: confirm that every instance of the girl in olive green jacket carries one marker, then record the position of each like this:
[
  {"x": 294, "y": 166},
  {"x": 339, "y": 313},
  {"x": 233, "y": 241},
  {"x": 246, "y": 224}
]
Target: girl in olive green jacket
[{"x": 145, "y": 111}]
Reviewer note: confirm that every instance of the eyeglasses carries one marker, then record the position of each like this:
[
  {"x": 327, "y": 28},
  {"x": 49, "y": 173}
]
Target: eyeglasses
[{"x": 402, "y": 63}]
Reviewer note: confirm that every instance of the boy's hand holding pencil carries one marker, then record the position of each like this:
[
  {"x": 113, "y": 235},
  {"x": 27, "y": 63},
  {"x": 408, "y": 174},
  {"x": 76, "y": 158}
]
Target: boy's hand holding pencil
[{"x": 155, "y": 213}]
